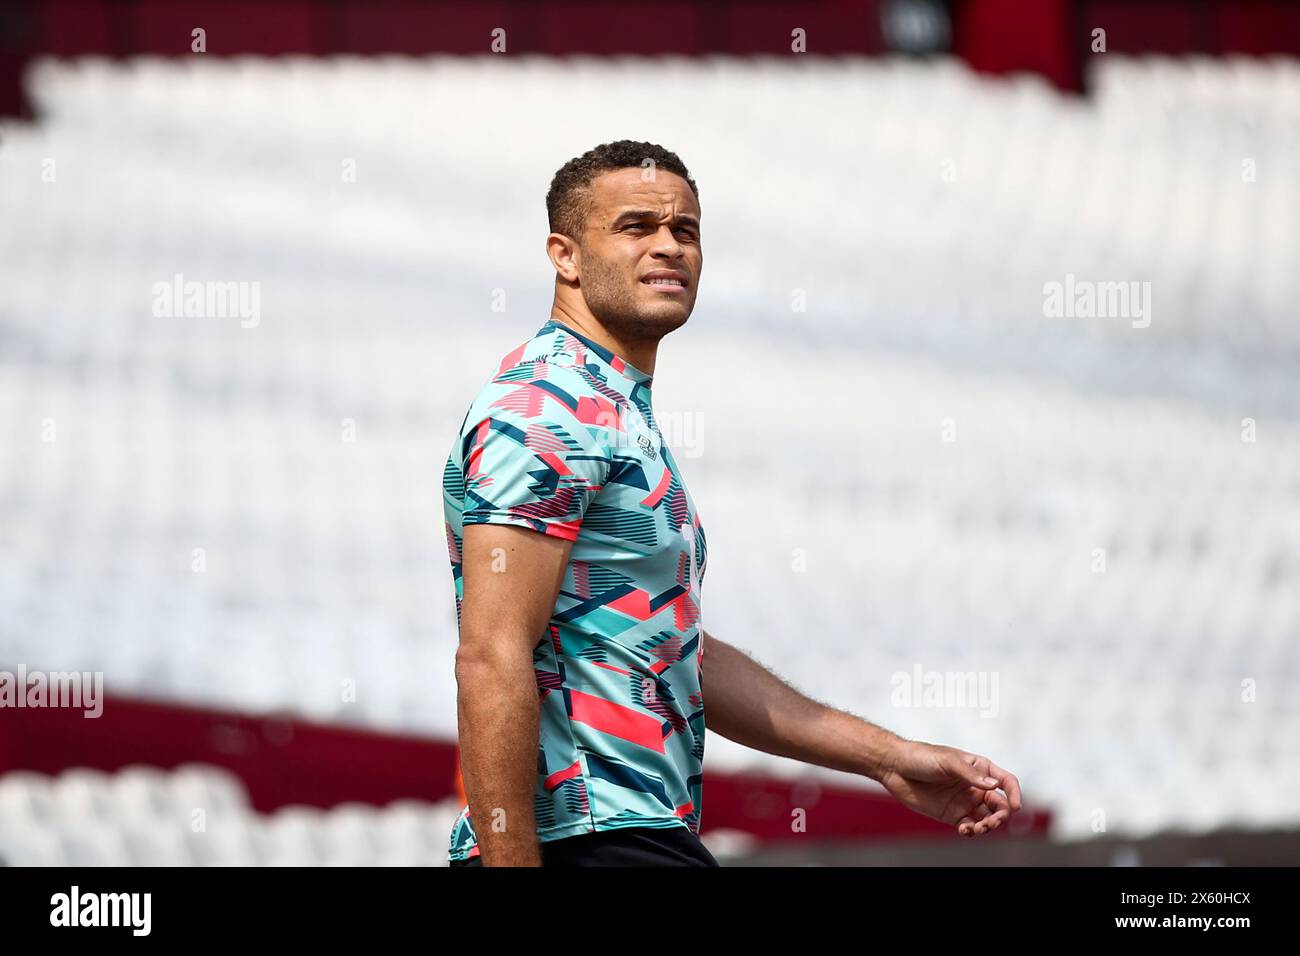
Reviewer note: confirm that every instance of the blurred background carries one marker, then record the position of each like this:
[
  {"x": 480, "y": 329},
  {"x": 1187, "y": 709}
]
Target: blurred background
[{"x": 1015, "y": 468}]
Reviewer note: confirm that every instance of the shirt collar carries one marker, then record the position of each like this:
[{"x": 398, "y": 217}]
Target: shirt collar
[{"x": 622, "y": 367}]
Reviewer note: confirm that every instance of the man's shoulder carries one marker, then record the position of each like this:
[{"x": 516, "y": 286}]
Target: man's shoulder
[
  {"x": 536, "y": 389},
  {"x": 537, "y": 368}
]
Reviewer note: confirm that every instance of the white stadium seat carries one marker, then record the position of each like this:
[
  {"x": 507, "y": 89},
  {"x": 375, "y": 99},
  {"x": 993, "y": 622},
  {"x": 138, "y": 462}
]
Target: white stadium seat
[{"x": 135, "y": 830}]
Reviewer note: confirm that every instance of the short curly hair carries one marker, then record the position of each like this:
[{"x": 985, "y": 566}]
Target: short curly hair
[{"x": 568, "y": 201}]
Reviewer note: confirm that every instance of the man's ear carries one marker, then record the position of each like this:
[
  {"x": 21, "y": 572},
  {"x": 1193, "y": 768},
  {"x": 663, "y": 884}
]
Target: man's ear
[{"x": 565, "y": 256}]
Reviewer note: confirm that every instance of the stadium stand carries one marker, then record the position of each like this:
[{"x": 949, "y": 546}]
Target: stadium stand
[{"x": 242, "y": 510}]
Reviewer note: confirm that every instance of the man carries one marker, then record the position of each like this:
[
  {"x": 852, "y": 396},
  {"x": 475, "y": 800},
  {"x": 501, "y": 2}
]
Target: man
[{"x": 583, "y": 672}]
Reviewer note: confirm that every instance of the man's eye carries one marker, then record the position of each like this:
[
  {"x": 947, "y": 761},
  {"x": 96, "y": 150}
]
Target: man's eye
[{"x": 683, "y": 230}]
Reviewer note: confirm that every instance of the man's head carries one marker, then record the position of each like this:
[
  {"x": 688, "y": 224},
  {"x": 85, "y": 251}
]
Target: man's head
[{"x": 622, "y": 215}]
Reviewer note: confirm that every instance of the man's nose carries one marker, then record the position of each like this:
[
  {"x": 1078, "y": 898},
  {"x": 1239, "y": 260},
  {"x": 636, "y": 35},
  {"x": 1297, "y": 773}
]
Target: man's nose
[{"x": 666, "y": 243}]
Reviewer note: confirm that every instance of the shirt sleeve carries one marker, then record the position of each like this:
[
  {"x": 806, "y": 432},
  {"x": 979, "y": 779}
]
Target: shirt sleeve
[{"x": 530, "y": 462}]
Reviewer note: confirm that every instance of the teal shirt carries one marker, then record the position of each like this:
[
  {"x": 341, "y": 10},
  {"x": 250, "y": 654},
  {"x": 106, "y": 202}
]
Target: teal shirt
[{"x": 563, "y": 441}]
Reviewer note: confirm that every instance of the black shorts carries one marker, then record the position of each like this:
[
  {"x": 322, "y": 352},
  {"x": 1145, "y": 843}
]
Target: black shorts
[{"x": 634, "y": 846}]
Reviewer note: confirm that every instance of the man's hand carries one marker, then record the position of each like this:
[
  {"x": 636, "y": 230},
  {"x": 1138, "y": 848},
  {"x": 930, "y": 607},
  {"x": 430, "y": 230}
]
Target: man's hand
[{"x": 952, "y": 786}]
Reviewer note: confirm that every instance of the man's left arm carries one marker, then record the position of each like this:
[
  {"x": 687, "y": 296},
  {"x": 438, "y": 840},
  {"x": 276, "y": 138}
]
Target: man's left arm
[{"x": 747, "y": 703}]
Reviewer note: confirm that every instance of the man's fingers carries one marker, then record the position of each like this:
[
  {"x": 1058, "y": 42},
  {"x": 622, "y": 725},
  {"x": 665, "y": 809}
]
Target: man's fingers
[
  {"x": 997, "y": 790},
  {"x": 1009, "y": 783},
  {"x": 996, "y": 810},
  {"x": 996, "y": 799},
  {"x": 963, "y": 765},
  {"x": 973, "y": 822},
  {"x": 997, "y": 777}
]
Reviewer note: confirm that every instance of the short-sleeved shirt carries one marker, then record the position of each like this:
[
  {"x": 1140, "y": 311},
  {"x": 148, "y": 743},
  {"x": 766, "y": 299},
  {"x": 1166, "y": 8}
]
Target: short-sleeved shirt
[{"x": 563, "y": 441}]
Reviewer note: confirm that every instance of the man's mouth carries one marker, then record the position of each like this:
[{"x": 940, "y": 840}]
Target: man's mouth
[{"x": 666, "y": 282}]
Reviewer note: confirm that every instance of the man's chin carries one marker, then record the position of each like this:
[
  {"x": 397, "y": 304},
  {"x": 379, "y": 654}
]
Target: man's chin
[
  {"x": 664, "y": 320},
  {"x": 648, "y": 320},
  {"x": 667, "y": 310}
]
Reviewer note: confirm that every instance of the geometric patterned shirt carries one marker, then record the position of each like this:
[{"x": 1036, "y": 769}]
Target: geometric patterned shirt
[{"x": 563, "y": 441}]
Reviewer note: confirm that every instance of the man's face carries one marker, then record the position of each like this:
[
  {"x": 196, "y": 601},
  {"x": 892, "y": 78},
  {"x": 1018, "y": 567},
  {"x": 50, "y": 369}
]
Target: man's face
[{"x": 637, "y": 231}]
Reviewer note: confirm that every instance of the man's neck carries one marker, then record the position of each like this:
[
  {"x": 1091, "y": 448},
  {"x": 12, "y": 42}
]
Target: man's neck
[{"x": 638, "y": 354}]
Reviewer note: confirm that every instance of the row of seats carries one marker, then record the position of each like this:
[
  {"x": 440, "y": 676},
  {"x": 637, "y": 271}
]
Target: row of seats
[
  {"x": 977, "y": 192},
  {"x": 199, "y": 815}
]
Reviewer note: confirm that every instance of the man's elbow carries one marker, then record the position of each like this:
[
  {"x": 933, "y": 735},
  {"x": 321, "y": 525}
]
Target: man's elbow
[
  {"x": 487, "y": 666},
  {"x": 474, "y": 667}
]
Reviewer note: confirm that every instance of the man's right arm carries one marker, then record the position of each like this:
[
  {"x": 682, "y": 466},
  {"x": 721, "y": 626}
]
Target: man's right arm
[{"x": 511, "y": 577}]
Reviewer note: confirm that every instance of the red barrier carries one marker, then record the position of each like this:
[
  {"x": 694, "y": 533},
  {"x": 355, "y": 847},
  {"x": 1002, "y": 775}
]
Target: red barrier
[
  {"x": 1049, "y": 37},
  {"x": 285, "y": 760}
]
